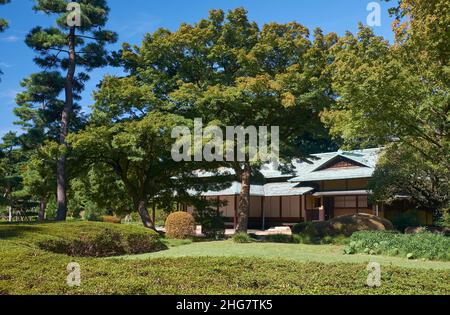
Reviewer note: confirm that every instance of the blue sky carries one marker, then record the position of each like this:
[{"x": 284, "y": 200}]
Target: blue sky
[{"x": 133, "y": 18}]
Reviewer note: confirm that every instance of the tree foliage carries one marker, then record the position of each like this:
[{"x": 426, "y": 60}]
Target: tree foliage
[
  {"x": 64, "y": 48},
  {"x": 399, "y": 93},
  {"x": 228, "y": 71},
  {"x": 135, "y": 157}
]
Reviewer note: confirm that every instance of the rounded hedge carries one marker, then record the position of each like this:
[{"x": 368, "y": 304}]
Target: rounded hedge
[
  {"x": 104, "y": 243},
  {"x": 180, "y": 225}
]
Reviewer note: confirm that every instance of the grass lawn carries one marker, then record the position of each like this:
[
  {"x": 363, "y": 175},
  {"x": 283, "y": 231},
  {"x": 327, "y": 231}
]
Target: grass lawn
[
  {"x": 275, "y": 251},
  {"x": 236, "y": 268}
]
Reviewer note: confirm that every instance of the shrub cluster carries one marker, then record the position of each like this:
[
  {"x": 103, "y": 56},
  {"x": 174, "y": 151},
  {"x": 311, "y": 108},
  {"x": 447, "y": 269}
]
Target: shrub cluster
[
  {"x": 180, "y": 225},
  {"x": 106, "y": 243},
  {"x": 242, "y": 238},
  {"x": 111, "y": 219},
  {"x": 208, "y": 275},
  {"x": 433, "y": 246}
]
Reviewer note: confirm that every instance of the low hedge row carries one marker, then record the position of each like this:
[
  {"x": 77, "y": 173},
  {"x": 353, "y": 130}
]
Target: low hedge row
[
  {"x": 84, "y": 239},
  {"x": 432, "y": 246},
  {"x": 104, "y": 244},
  {"x": 32, "y": 271}
]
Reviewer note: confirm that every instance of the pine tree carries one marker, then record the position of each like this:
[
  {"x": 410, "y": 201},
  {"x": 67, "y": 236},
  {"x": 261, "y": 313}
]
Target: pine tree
[
  {"x": 3, "y": 22},
  {"x": 66, "y": 48}
]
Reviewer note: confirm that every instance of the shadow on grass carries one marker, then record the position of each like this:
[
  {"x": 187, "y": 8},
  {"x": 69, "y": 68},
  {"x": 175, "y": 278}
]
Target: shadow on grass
[{"x": 8, "y": 230}]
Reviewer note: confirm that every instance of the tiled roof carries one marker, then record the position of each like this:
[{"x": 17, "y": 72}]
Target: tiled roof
[
  {"x": 302, "y": 172},
  {"x": 267, "y": 190}
]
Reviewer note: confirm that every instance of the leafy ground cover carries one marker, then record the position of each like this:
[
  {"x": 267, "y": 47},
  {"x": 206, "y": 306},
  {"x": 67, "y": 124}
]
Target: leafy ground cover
[{"x": 427, "y": 245}]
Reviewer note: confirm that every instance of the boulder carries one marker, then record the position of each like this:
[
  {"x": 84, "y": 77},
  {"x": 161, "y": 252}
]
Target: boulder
[{"x": 344, "y": 225}]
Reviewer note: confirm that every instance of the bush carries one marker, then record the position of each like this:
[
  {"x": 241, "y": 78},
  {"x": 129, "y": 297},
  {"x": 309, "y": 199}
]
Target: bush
[
  {"x": 443, "y": 218},
  {"x": 180, "y": 225},
  {"x": 279, "y": 238},
  {"x": 242, "y": 238},
  {"x": 212, "y": 222},
  {"x": 139, "y": 243},
  {"x": 426, "y": 245},
  {"x": 111, "y": 219},
  {"x": 106, "y": 243},
  {"x": 406, "y": 219},
  {"x": 304, "y": 238}
]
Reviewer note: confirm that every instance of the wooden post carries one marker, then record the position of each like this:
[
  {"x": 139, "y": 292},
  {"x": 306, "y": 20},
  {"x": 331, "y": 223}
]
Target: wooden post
[
  {"x": 281, "y": 207},
  {"x": 357, "y": 204},
  {"x": 9, "y": 214},
  {"x": 263, "y": 215},
  {"x": 235, "y": 210},
  {"x": 300, "y": 207},
  {"x": 304, "y": 208}
]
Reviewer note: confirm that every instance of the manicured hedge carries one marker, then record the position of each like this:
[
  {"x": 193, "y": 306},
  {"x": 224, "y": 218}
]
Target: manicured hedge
[
  {"x": 85, "y": 239},
  {"x": 33, "y": 271},
  {"x": 433, "y": 246},
  {"x": 180, "y": 225},
  {"x": 27, "y": 269}
]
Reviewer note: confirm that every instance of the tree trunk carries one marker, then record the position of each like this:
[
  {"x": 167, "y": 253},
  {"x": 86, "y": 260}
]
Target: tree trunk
[
  {"x": 145, "y": 215},
  {"x": 42, "y": 207},
  {"x": 244, "y": 200},
  {"x": 10, "y": 214},
  {"x": 65, "y": 120}
]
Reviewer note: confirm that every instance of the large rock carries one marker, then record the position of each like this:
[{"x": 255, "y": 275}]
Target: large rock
[
  {"x": 349, "y": 224},
  {"x": 344, "y": 225}
]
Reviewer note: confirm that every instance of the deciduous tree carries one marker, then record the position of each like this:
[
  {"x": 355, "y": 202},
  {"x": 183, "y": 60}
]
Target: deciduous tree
[
  {"x": 399, "y": 93},
  {"x": 226, "y": 69}
]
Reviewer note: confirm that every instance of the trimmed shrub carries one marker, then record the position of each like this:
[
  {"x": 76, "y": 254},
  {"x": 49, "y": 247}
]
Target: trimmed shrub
[
  {"x": 111, "y": 219},
  {"x": 107, "y": 243},
  {"x": 139, "y": 243},
  {"x": 278, "y": 238},
  {"x": 180, "y": 225},
  {"x": 212, "y": 222},
  {"x": 426, "y": 245},
  {"x": 242, "y": 238}
]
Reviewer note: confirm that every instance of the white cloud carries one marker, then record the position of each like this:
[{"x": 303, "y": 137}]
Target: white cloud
[
  {"x": 10, "y": 39},
  {"x": 5, "y": 65},
  {"x": 139, "y": 26}
]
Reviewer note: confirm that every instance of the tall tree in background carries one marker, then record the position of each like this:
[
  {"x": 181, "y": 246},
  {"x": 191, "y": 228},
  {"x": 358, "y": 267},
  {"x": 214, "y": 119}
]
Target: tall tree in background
[
  {"x": 11, "y": 159},
  {"x": 3, "y": 23},
  {"x": 65, "y": 49},
  {"x": 228, "y": 71},
  {"x": 399, "y": 93}
]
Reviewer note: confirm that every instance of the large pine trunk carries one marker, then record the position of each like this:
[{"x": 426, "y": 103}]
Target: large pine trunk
[
  {"x": 42, "y": 207},
  {"x": 61, "y": 177},
  {"x": 244, "y": 200}
]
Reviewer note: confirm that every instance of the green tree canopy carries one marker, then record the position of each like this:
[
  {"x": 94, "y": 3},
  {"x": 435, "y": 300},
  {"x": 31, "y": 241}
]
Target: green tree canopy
[
  {"x": 226, "y": 69},
  {"x": 399, "y": 94},
  {"x": 133, "y": 157}
]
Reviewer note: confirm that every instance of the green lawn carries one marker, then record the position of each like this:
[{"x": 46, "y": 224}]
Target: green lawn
[
  {"x": 273, "y": 251},
  {"x": 255, "y": 268}
]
